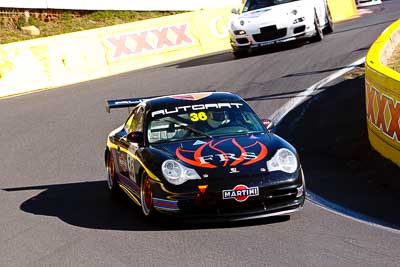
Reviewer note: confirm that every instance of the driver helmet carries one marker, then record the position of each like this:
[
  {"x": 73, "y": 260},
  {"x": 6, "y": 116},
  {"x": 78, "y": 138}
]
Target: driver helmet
[{"x": 217, "y": 118}]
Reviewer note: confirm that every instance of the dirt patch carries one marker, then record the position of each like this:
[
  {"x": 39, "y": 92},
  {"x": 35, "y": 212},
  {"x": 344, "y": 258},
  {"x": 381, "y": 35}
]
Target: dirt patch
[
  {"x": 355, "y": 73},
  {"x": 394, "y": 60},
  {"x": 60, "y": 22}
]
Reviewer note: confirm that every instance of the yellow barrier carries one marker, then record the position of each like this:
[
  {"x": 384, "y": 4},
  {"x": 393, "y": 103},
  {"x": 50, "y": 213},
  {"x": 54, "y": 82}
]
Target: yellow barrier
[
  {"x": 382, "y": 91},
  {"x": 342, "y": 9},
  {"x": 82, "y": 56}
]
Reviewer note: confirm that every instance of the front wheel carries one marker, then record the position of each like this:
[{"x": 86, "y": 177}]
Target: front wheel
[
  {"x": 146, "y": 196},
  {"x": 319, "y": 35},
  {"x": 330, "y": 27}
]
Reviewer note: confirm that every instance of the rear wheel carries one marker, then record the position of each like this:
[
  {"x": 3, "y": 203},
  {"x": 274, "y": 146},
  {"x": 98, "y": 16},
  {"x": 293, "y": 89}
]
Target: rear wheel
[
  {"x": 111, "y": 176},
  {"x": 146, "y": 196}
]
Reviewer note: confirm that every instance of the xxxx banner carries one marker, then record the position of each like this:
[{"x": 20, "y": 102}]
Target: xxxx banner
[{"x": 167, "y": 39}]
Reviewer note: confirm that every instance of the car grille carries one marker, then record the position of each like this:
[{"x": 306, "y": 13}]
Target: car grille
[
  {"x": 299, "y": 29},
  {"x": 268, "y": 200},
  {"x": 281, "y": 196},
  {"x": 269, "y": 33},
  {"x": 242, "y": 40}
]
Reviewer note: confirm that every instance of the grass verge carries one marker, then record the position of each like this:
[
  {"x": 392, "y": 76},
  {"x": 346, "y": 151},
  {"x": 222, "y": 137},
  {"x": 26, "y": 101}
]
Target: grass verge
[{"x": 10, "y": 27}]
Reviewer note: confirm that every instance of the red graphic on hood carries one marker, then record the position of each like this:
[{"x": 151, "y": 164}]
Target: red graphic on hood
[{"x": 209, "y": 155}]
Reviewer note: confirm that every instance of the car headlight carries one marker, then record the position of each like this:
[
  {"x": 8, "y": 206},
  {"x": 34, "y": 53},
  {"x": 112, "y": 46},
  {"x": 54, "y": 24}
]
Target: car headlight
[
  {"x": 239, "y": 32},
  {"x": 283, "y": 160},
  {"x": 176, "y": 173}
]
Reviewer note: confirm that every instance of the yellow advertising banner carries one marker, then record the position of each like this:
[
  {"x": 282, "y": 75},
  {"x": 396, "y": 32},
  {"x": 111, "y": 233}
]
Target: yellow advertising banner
[
  {"x": 162, "y": 40},
  {"x": 382, "y": 95},
  {"x": 383, "y": 111}
]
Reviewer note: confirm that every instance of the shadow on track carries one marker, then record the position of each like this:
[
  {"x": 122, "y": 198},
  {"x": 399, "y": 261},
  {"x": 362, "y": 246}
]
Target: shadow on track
[
  {"x": 325, "y": 70},
  {"x": 89, "y": 205},
  {"x": 330, "y": 133},
  {"x": 226, "y": 57},
  {"x": 364, "y": 26},
  {"x": 285, "y": 95}
]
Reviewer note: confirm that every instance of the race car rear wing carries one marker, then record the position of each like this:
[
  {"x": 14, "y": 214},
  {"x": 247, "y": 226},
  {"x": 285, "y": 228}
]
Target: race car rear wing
[
  {"x": 133, "y": 102},
  {"x": 125, "y": 103}
]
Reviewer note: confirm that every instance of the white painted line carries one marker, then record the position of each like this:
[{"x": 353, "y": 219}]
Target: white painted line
[
  {"x": 278, "y": 115},
  {"x": 362, "y": 12}
]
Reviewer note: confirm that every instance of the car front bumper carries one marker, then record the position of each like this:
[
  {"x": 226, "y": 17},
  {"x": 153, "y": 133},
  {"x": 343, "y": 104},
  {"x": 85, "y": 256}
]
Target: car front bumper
[
  {"x": 274, "y": 199},
  {"x": 270, "y": 35}
]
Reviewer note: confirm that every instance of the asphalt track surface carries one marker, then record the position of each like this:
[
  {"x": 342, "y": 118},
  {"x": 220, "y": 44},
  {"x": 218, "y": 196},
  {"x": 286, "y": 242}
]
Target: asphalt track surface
[{"x": 55, "y": 210}]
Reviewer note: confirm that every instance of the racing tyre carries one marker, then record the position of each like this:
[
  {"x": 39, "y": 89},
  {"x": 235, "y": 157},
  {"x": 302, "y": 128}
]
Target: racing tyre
[
  {"x": 111, "y": 177},
  {"x": 319, "y": 35},
  {"x": 146, "y": 197},
  {"x": 330, "y": 27}
]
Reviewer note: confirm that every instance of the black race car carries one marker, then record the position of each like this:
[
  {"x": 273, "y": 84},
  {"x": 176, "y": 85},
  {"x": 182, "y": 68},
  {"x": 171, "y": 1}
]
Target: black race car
[{"x": 202, "y": 155}]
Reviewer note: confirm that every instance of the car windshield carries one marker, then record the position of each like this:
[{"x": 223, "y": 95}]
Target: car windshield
[
  {"x": 257, "y": 4},
  {"x": 201, "y": 121}
]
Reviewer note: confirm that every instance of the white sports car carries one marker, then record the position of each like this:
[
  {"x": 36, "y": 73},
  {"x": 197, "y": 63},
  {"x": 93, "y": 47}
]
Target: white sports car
[{"x": 266, "y": 22}]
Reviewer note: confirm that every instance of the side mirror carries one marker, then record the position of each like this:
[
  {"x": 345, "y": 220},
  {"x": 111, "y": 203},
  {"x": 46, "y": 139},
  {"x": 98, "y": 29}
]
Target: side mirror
[
  {"x": 268, "y": 124},
  {"x": 235, "y": 10},
  {"x": 135, "y": 137}
]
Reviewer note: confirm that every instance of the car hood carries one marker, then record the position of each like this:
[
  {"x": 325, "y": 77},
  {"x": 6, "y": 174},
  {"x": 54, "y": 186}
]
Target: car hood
[
  {"x": 238, "y": 155},
  {"x": 271, "y": 14}
]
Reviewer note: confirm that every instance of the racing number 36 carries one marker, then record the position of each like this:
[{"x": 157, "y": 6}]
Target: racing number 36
[{"x": 201, "y": 116}]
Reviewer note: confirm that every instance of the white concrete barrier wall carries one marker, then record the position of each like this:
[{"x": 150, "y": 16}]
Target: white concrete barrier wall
[{"x": 70, "y": 58}]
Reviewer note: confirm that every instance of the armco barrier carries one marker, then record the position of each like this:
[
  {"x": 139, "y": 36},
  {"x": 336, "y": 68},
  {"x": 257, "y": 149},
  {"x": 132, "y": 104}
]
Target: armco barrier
[
  {"x": 382, "y": 90},
  {"x": 82, "y": 56},
  {"x": 342, "y": 9}
]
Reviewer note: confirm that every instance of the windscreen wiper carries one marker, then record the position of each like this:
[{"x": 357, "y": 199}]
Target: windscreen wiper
[{"x": 190, "y": 128}]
